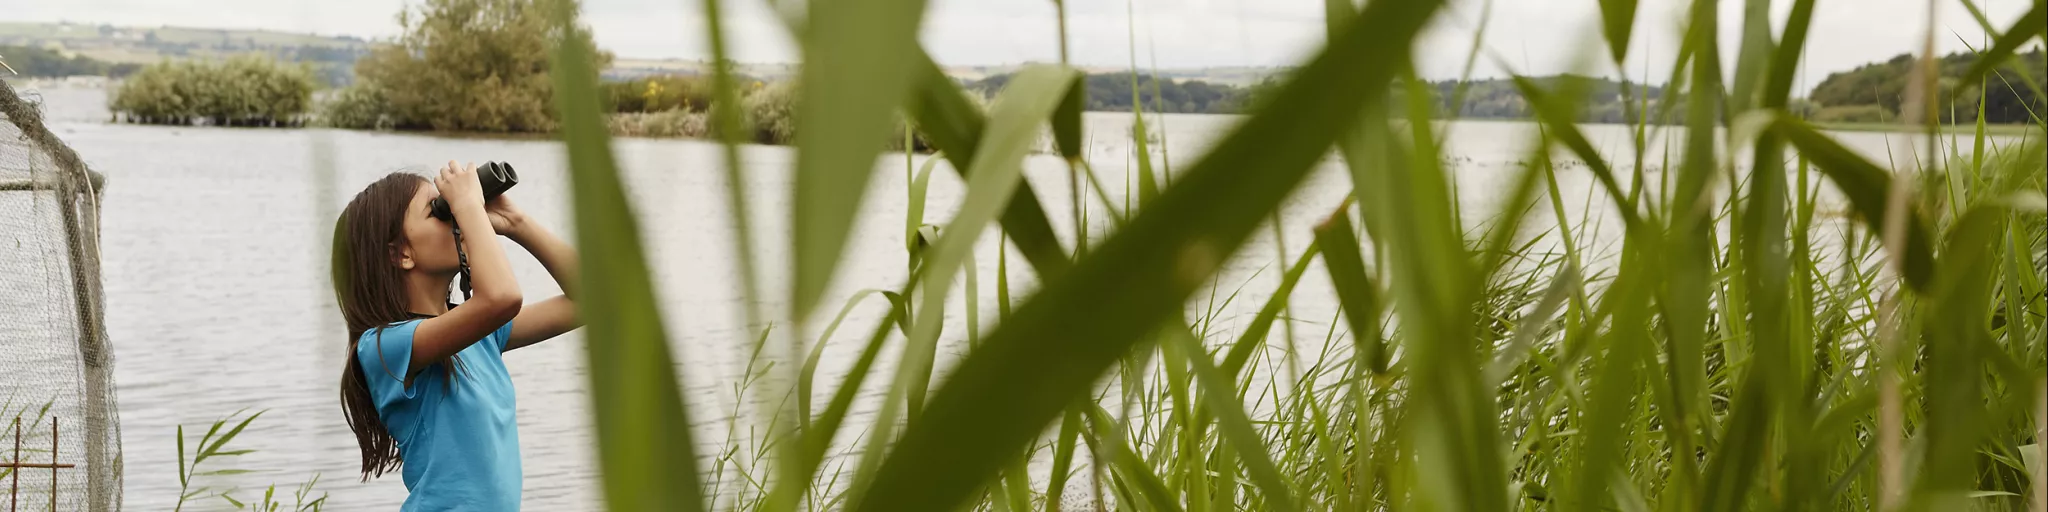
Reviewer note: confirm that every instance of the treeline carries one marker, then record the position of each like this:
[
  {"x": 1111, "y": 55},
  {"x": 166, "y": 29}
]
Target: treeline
[
  {"x": 250, "y": 90},
  {"x": 1113, "y": 92},
  {"x": 1600, "y": 100},
  {"x": 44, "y": 62},
  {"x": 1479, "y": 99},
  {"x": 1874, "y": 92}
]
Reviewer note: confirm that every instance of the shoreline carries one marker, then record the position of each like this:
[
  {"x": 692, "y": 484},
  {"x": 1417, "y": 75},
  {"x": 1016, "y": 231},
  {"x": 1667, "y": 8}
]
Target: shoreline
[{"x": 1946, "y": 129}]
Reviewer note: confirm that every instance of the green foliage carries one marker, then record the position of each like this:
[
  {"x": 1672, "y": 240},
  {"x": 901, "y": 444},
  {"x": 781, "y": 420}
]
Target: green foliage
[
  {"x": 1854, "y": 114},
  {"x": 243, "y": 91},
  {"x": 677, "y": 123},
  {"x": 471, "y": 65},
  {"x": 358, "y": 107},
  {"x": 13, "y": 413},
  {"x": 214, "y": 446},
  {"x": 2005, "y": 97},
  {"x": 771, "y": 112},
  {"x": 1732, "y": 353},
  {"x": 45, "y": 62},
  {"x": 657, "y": 94}
]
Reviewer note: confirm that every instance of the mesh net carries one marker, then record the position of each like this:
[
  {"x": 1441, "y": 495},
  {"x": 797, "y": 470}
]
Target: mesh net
[{"x": 55, "y": 367}]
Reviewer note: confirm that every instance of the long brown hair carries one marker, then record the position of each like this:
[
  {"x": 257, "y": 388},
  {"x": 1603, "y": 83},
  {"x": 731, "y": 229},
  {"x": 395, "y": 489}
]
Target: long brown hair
[{"x": 370, "y": 288}]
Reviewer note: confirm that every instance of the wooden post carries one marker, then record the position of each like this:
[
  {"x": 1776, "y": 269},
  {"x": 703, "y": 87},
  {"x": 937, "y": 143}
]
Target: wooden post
[
  {"x": 53, "y": 464},
  {"x": 15, "y": 489}
]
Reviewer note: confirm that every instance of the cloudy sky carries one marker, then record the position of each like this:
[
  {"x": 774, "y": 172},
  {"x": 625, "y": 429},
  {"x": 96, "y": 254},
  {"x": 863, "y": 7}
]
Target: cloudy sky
[{"x": 1533, "y": 36}]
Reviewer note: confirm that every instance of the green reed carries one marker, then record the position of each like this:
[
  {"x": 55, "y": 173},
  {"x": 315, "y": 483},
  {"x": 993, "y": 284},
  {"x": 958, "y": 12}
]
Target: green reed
[{"x": 1798, "y": 329}]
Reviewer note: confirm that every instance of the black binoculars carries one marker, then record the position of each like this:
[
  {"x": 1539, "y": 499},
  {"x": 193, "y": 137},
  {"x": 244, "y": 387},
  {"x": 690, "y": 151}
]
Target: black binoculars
[{"x": 496, "y": 178}]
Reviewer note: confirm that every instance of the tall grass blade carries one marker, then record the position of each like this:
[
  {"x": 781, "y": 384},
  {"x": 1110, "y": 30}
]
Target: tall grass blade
[
  {"x": 1532, "y": 327},
  {"x": 857, "y": 68},
  {"x": 1955, "y": 336},
  {"x": 1560, "y": 121},
  {"x": 913, "y": 216},
  {"x": 1066, "y": 122},
  {"x": 1866, "y": 186},
  {"x": 1062, "y": 458},
  {"x": 1107, "y": 436},
  {"x": 645, "y": 450},
  {"x": 1220, "y": 394},
  {"x": 1769, "y": 268},
  {"x": 2028, "y": 27},
  {"x": 1617, "y": 18},
  {"x": 818, "y": 436},
  {"x": 1617, "y": 378},
  {"x": 954, "y": 125},
  {"x": 1261, "y": 326},
  {"x": 1014, "y": 121},
  {"x": 1356, "y": 294},
  {"x": 808, "y": 373},
  {"x": 1753, "y": 57}
]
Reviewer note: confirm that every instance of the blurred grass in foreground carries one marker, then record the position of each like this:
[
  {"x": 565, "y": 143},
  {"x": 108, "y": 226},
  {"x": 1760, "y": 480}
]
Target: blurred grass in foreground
[{"x": 1718, "y": 360}]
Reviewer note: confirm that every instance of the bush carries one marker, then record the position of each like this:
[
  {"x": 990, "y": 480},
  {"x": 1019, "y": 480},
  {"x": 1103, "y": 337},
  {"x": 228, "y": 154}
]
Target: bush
[
  {"x": 1853, "y": 114},
  {"x": 659, "y": 94},
  {"x": 242, "y": 91},
  {"x": 771, "y": 118},
  {"x": 358, "y": 106},
  {"x": 672, "y": 123},
  {"x": 771, "y": 113}
]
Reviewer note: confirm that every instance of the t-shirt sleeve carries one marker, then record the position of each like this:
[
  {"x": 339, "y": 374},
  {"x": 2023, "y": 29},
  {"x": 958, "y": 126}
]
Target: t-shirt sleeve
[
  {"x": 385, "y": 354},
  {"x": 501, "y": 337}
]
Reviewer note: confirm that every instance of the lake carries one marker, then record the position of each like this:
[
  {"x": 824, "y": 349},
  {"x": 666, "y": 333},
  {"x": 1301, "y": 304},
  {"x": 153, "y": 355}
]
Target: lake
[{"x": 218, "y": 297}]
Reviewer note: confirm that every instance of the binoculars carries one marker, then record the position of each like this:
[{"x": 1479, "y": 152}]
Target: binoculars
[{"x": 496, "y": 178}]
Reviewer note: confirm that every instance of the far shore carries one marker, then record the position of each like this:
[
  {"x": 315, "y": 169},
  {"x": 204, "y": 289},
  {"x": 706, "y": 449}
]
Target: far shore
[{"x": 1964, "y": 129}]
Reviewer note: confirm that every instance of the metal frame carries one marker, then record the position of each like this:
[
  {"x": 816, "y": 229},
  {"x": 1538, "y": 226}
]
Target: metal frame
[{"x": 78, "y": 192}]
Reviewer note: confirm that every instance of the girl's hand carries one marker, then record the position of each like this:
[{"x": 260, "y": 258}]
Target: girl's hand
[
  {"x": 458, "y": 186},
  {"x": 506, "y": 219}
]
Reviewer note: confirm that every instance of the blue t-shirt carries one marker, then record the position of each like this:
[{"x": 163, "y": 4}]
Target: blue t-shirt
[{"x": 460, "y": 442}]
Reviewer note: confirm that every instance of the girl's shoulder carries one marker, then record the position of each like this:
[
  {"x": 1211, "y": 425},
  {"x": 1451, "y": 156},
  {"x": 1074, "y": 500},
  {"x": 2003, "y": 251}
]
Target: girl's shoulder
[{"x": 401, "y": 328}]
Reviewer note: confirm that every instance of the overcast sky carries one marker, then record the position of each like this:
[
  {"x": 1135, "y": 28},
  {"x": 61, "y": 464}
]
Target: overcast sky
[{"x": 1532, "y": 36}]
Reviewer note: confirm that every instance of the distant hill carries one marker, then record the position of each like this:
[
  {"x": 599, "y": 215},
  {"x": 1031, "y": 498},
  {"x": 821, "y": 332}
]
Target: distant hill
[
  {"x": 332, "y": 57},
  {"x": 1873, "y": 92},
  {"x": 40, "y": 62}
]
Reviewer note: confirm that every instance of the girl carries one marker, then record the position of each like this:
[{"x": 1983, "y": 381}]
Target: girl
[{"x": 425, "y": 388}]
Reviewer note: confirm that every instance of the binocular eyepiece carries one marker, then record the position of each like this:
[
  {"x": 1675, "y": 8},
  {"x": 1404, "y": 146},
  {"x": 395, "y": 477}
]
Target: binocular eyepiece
[{"x": 496, "y": 178}]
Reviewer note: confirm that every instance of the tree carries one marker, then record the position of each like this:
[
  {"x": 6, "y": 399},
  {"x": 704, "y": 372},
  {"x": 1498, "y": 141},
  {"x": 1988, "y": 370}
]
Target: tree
[
  {"x": 479, "y": 65},
  {"x": 249, "y": 90}
]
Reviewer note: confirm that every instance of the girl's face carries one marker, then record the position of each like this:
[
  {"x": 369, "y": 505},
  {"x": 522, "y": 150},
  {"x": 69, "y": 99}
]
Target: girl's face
[{"x": 429, "y": 242}]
